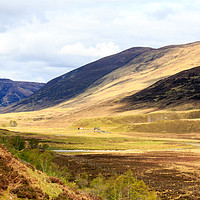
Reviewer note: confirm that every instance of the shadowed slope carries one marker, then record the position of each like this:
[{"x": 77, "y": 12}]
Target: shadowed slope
[
  {"x": 92, "y": 90},
  {"x": 183, "y": 87},
  {"x": 76, "y": 82},
  {"x": 14, "y": 91}
]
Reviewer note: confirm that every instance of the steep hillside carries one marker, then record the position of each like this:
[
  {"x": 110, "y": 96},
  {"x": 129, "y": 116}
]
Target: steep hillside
[
  {"x": 77, "y": 81},
  {"x": 14, "y": 91},
  {"x": 23, "y": 181},
  {"x": 181, "y": 88},
  {"x": 92, "y": 90},
  {"x": 103, "y": 99},
  {"x": 148, "y": 68}
]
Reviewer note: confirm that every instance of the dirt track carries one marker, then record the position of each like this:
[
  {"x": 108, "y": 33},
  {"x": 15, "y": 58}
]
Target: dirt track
[{"x": 174, "y": 175}]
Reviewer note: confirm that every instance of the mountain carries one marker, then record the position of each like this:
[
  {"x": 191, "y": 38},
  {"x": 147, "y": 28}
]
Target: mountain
[
  {"x": 22, "y": 181},
  {"x": 181, "y": 88},
  {"x": 77, "y": 81},
  {"x": 92, "y": 90},
  {"x": 14, "y": 91}
]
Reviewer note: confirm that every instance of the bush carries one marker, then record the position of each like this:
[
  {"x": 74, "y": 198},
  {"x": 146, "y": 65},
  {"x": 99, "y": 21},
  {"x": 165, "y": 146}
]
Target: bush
[
  {"x": 44, "y": 146},
  {"x": 13, "y": 123},
  {"x": 18, "y": 143},
  {"x": 33, "y": 143},
  {"x": 3, "y": 182},
  {"x": 55, "y": 180},
  {"x": 41, "y": 160},
  {"x": 82, "y": 180}
]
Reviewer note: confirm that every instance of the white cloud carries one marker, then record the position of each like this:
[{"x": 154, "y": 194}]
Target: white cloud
[
  {"x": 48, "y": 38},
  {"x": 28, "y": 71},
  {"x": 100, "y": 50}
]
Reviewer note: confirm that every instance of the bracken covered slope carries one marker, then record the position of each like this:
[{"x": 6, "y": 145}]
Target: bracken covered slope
[{"x": 23, "y": 181}]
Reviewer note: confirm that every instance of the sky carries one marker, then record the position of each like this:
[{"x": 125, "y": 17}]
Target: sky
[{"x": 43, "y": 39}]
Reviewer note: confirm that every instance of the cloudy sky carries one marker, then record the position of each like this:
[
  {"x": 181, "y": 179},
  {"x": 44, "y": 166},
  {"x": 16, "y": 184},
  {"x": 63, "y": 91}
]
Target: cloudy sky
[{"x": 42, "y": 39}]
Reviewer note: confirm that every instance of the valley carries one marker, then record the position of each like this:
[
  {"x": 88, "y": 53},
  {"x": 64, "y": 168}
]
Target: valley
[
  {"x": 164, "y": 155},
  {"x": 137, "y": 110}
]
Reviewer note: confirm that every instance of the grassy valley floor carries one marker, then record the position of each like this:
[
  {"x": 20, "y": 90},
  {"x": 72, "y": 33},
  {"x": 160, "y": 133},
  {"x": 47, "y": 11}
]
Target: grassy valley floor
[{"x": 164, "y": 153}]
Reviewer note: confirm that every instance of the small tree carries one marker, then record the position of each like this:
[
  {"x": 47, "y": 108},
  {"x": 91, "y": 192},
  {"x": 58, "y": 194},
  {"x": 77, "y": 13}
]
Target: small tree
[
  {"x": 44, "y": 146},
  {"x": 98, "y": 185},
  {"x": 13, "y": 123},
  {"x": 33, "y": 143},
  {"x": 82, "y": 180},
  {"x": 18, "y": 143}
]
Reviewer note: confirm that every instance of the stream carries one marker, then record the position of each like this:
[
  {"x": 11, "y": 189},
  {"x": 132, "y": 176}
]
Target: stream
[
  {"x": 92, "y": 151},
  {"x": 120, "y": 150}
]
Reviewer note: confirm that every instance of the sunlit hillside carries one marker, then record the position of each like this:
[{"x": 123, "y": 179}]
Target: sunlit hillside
[
  {"x": 101, "y": 98},
  {"x": 138, "y": 74}
]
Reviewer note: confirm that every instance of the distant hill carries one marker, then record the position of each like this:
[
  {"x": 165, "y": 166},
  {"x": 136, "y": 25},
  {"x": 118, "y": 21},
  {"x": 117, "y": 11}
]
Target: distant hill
[
  {"x": 92, "y": 90},
  {"x": 14, "y": 91},
  {"x": 181, "y": 88}
]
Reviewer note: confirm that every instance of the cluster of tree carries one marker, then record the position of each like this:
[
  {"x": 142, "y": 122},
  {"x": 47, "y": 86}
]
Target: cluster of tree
[
  {"x": 18, "y": 143},
  {"x": 116, "y": 187},
  {"x": 41, "y": 160}
]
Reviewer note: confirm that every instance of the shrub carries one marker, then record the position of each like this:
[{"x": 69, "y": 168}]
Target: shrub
[
  {"x": 33, "y": 143},
  {"x": 55, "y": 180},
  {"x": 13, "y": 123},
  {"x": 18, "y": 143},
  {"x": 82, "y": 180},
  {"x": 3, "y": 182},
  {"x": 44, "y": 146},
  {"x": 41, "y": 160}
]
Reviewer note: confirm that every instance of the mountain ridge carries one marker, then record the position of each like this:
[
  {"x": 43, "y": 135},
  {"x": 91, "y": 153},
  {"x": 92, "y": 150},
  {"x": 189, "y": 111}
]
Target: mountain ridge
[
  {"x": 14, "y": 91},
  {"x": 100, "y": 82},
  {"x": 77, "y": 81}
]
